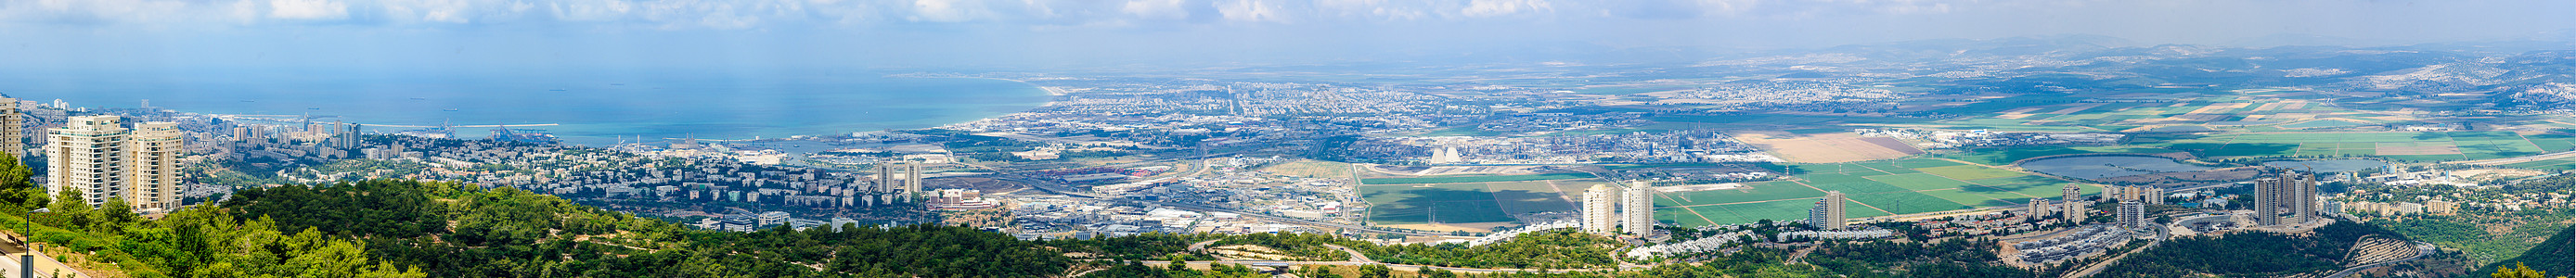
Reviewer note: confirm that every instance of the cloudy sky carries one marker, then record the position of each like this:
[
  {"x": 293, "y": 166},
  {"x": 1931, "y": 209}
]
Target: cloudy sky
[{"x": 473, "y": 34}]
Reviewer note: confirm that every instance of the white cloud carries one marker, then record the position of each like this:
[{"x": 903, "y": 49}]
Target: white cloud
[
  {"x": 448, "y": 11},
  {"x": 1251, "y": 11},
  {"x": 1491, "y": 8},
  {"x": 1155, "y": 9},
  {"x": 596, "y": 10},
  {"x": 1369, "y": 9},
  {"x": 307, "y": 9},
  {"x": 947, "y": 10}
]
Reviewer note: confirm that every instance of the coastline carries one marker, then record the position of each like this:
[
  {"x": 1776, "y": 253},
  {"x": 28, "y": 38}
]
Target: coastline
[
  {"x": 1052, "y": 93},
  {"x": 1048, "y": 92}
]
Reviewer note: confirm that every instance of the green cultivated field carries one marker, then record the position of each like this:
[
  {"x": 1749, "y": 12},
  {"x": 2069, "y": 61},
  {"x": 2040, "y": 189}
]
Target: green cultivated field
[
  {"x": 2561, "y": 164},
  {"x": 1465, "y": 179},
  {"x": 1921, "y": 181},
  {"x": 1875, "y": 188},
  {"x": 2447, "y": 146},
  {"x": 1472, "y": 202},
  {"x": 1447, "y": 203},
  {"x": 1533, "y": 196},
  {"x": 1754, "y": 192},
  {"x": 2007, "y": 156},
  {"x": 2208, "y": 123},
  {"x": 1966, "y": 172}
]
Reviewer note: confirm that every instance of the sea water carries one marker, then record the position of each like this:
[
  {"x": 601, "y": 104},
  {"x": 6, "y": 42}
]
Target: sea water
[{"x": 589, "y": 108}]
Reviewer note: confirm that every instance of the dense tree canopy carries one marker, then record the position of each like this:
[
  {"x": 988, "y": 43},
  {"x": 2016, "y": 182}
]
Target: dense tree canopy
[{"x": 2248, "y": 254}]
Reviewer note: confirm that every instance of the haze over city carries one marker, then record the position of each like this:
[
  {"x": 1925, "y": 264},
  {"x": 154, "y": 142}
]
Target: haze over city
[
  {"x": 762, "y": 35},
  {"x": 1270, "y": 138}
]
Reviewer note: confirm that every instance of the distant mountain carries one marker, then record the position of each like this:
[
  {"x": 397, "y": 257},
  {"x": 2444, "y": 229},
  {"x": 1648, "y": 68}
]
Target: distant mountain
[
  {"x": 2279, "y": 40},
  {"x": 2551, "y": 256},
  {"x": 1967, "y": 48}
]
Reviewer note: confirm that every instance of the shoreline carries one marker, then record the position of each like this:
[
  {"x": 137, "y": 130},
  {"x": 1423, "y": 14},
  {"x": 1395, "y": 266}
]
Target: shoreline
[{"x": 1049, "y": 92}]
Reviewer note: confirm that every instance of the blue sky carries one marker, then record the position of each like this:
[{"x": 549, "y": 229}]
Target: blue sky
[{"x": 482, "y": 34}]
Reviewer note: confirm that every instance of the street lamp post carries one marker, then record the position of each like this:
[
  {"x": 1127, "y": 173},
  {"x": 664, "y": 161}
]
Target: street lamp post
[{"x": 27, "y": 261}]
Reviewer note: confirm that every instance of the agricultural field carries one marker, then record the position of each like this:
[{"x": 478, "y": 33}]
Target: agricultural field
[
  {"x": 1826, "y": 147},
  {"x": 1311, "y": 169},
  {"x": 1887, "y": 176},
  {"x": 1874, "y": 188},
  {"x": 2402, "y": 146},
  {"x": 1473, "y": 178},
  {"x": 1468, "y": 206}
]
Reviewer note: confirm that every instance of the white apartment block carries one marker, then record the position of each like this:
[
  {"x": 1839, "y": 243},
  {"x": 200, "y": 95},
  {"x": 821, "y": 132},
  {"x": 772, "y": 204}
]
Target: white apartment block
[
  {"x": 1638, "y": 208},
  {"x": 1827, "y": 215},
  {"x": 1600, "y": 203},
  {"x": 156, "y": 167},
  {"x": 98, "y": 158}
]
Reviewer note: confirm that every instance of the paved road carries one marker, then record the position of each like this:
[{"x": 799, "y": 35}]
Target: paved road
[
  {"x": 2421, "y": 249},
  {"x": 45, "y": 267},
  {"x": 1800, "y": 257},
  {"x": 9, "y": 268}
]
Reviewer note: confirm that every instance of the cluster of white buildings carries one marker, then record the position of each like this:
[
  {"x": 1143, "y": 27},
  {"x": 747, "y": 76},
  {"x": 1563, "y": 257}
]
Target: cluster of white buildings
[
  {"x": 1941, "y": 139},
  {"x": 1057, "y": 218},
  {"x": 1705, "y": 244},
  {"x": 1869, "y": 233},
  {"x": 1507, "y": 235},
  {"x": 1638, "y": 147},
  {"x": 746, "y": 221},
  {"x": 2401, "y": 208},
  {"x": 1788, "y": 92},
  {"x": 1979, "y": 225},
  {"x": 2091, "y": 240}
]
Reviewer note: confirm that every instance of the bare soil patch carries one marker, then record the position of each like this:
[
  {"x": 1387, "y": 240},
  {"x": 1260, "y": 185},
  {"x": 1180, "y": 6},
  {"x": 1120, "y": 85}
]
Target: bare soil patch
[{"x": 1824, "y": 148}]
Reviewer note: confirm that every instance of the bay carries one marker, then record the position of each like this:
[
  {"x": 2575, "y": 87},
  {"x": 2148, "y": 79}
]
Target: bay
[{"x": 590, "y": 108}]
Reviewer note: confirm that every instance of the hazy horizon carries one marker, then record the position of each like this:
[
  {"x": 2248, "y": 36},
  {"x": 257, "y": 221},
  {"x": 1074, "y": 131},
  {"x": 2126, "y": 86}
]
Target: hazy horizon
[{"x": 570, "y": 35}]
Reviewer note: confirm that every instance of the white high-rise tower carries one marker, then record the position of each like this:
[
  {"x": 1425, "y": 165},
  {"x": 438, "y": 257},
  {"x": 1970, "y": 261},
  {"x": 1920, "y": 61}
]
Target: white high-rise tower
[
  {"x": 1828, "y": 212},
  {"x": 11, "y": 141},
  {"x": 86, "y": 156},
  {"x": 155, "y": 152},
  {"x": 1638, "y": 208},
  {"x": 2133, "y": 214},
  {"x": 97, "y": 158},
  {"x": 1600, "y": 203},
  {"x": 2293, "y": 191}
]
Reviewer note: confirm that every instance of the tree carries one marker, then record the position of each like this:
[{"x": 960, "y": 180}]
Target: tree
[
  {"x": 68, "y": 211},
  {"x": 18, "y": 192},
  {"x": 1436, "y": 273},
  {"x": 2518, "y": 271},
  {"x": 1376, "y": 271}
]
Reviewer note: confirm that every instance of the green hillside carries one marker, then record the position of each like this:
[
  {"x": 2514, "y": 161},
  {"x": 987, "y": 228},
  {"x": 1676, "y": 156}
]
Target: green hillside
[{"x": 2551, "y": 256}]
